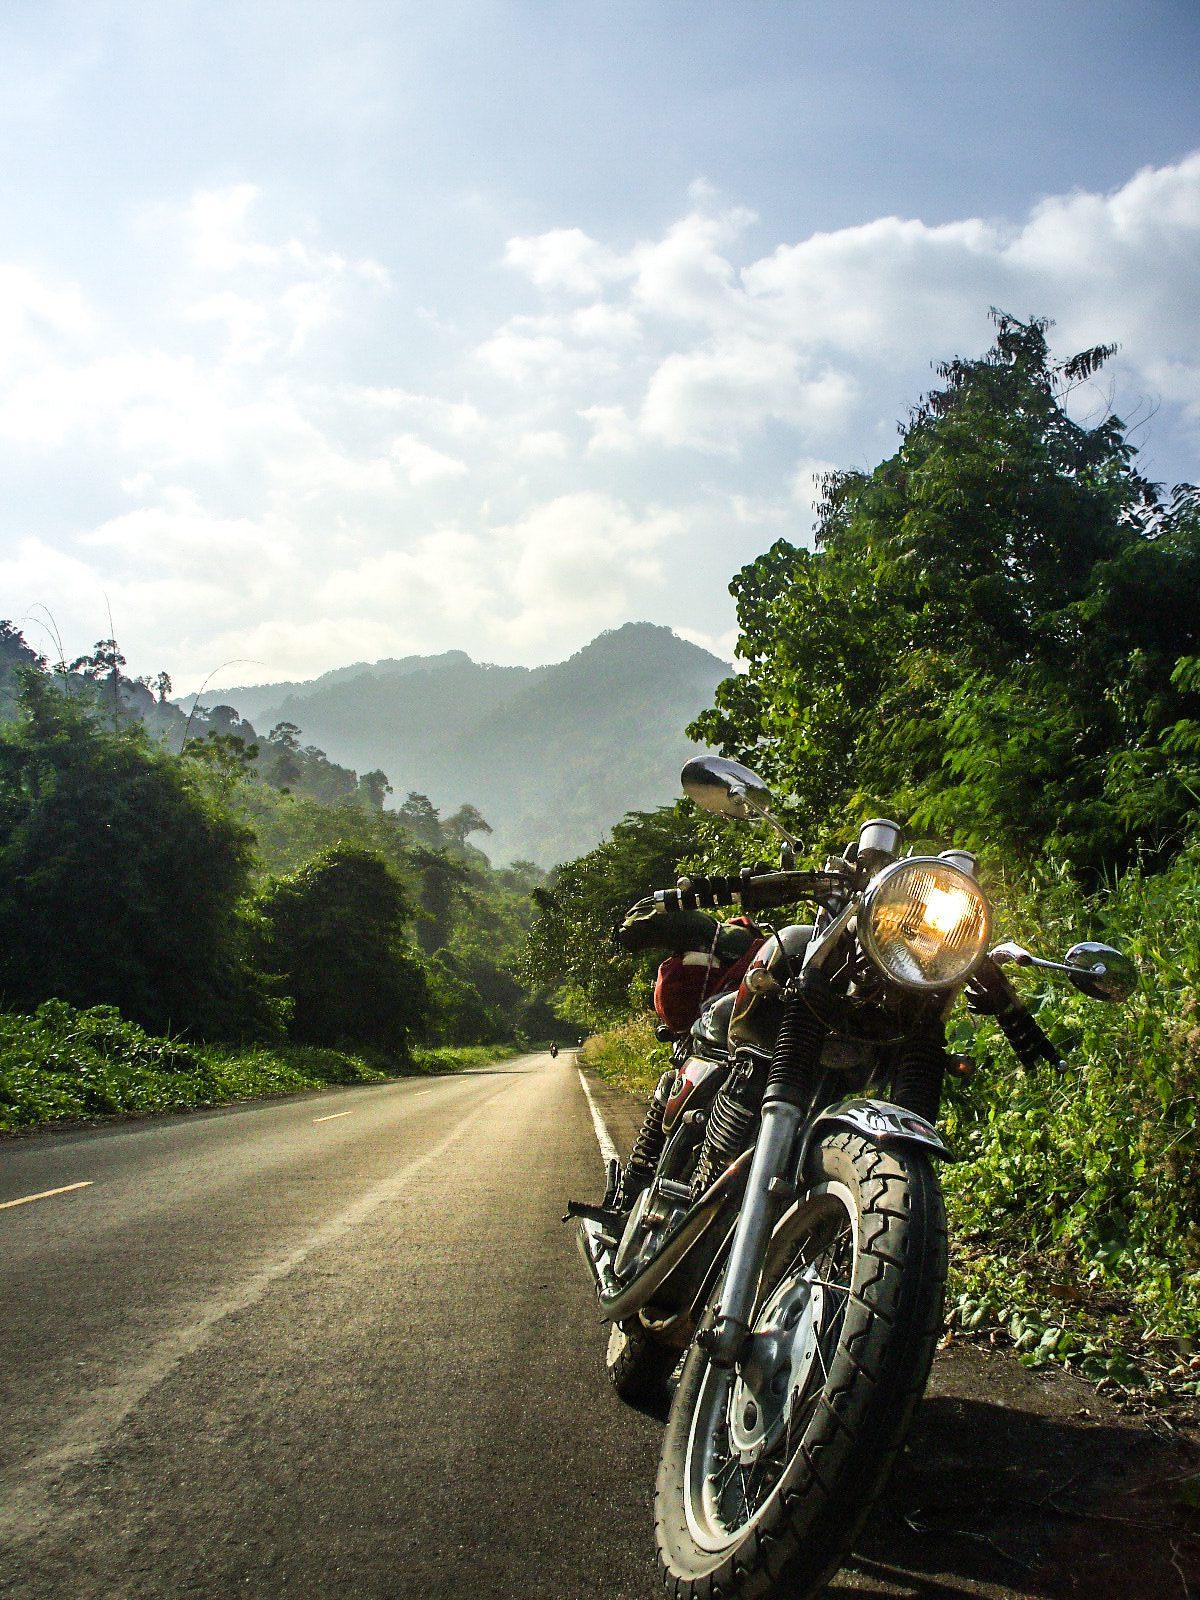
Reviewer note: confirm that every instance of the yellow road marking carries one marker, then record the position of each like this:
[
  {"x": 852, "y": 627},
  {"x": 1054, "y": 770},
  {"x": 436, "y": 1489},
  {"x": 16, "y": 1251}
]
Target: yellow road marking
[
  {"x": 28, "y": 1199},
  {"x": 333, "y": 1116}
]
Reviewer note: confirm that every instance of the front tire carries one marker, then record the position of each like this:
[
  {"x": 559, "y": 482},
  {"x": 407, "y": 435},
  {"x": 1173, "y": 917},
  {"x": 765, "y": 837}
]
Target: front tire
[{"x": 769, "y": 1470}]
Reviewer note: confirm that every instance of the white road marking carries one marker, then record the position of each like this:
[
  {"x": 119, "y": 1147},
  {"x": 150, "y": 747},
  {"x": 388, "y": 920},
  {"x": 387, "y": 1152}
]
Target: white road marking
[
  {"x": 422, "y": 1094},
  {"x": 28, "y": 1199},
  {"x": 333, "y": 1116},
  {"x": 607, "y": 1148}
]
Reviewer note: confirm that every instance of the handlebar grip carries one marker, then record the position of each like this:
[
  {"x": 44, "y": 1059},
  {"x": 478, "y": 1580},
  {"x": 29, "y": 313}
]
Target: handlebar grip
[
  {"x": 756, "y": 892},
  {"x": 700, "y": 892}
]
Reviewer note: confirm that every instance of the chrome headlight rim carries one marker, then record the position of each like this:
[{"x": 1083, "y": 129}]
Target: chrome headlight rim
[{"x": 867, "y": 934}]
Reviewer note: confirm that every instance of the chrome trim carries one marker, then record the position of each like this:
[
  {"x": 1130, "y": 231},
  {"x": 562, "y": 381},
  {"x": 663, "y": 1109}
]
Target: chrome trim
[
  {"x": 617, "y": 1300},
  {"x": 879, "y": 1121}
]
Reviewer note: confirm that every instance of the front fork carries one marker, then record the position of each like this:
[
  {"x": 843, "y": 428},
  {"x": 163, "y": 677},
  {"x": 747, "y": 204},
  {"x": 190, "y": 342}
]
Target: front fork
[{"x": 787, "y": 1098}]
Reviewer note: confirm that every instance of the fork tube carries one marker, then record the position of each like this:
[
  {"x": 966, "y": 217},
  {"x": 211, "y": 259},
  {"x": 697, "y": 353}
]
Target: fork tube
[{"x": 785, "y": 1102}]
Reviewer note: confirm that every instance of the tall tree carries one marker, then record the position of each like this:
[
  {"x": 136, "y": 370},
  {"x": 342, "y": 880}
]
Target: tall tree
[
  {"x": 119, "y": 878},
  {"x": 984, "y": 637},
  {"x": 334, "y": 937}
]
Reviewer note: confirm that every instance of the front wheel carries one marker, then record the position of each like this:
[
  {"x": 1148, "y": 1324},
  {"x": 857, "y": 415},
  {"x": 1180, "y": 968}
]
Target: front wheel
[{"x": 769, "y": 1470}]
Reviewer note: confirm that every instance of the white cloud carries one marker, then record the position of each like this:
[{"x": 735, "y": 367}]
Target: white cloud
[
  {"x": 421, "y": 463},
  {"x": 611, "y": 429},
  {"x": 217, "y": 219},
  {"x": 35, "y": 315},
  {"x": 546, "y": 444},
  {"x": 565, "y": 258},
  {"x": 817, "y": 333},
  {"x": 240, "y": 483}
]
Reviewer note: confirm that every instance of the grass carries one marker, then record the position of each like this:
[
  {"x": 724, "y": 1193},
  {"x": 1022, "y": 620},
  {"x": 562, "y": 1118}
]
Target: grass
[
  {"x": 62, "y": 1063},
  {"x": 430, "y": 1060},
  {"x": 627, "y": 1055}
]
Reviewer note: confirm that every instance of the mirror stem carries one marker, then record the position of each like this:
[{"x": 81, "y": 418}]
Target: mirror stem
[
  {"x": 1023, "y": 958},
  {"x": 751, "y": 804}
]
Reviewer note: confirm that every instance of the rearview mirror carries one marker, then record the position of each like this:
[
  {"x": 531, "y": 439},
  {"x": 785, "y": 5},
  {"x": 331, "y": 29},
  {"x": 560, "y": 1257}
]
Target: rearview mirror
[
  {"x": 1100, "y": 971},
  {"x": 731, "y": 790}
]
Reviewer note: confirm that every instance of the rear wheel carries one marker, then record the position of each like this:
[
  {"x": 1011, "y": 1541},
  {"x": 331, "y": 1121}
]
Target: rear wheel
[
  {"x": 638, "y": 1368},
  {"x": 769, "y": 1470}
]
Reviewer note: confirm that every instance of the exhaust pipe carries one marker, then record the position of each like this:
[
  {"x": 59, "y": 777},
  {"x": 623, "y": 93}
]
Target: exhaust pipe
[{"x": 617, "y": 1300}]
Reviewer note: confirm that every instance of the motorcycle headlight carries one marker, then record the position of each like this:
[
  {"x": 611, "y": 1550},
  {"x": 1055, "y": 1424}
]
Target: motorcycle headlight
[{"x": 923, "y": 922}]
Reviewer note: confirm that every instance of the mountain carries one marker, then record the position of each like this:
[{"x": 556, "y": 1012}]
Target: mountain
[
  {"x": 251, "y": 700},
  {"x": 552, "y": 756}
]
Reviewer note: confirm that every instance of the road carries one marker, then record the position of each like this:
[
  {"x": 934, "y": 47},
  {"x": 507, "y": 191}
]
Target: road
[{"x": 341, "y": 1345}]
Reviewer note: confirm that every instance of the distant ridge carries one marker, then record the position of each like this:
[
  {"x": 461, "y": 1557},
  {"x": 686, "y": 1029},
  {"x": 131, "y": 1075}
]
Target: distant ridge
[
  {"x": 552, "y": 756},
  {"x": 262, "y": 696}
]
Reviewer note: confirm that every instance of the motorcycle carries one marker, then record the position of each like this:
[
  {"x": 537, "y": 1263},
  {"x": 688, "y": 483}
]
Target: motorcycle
[
  {"x": 554, "y": 1052},
  {"x": 778, "y": 1233}
]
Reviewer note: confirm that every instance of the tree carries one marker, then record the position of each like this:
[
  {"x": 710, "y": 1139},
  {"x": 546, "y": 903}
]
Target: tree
[
  {"x": 443, "y": 881},
  {"x": 120, "y": 880},
  {"x": 15, "y": 654},
  {"x": 284, "y": 743},
  {"x": 374, "y": 788},
  {"x": 466, "y": 820},
  {"x": 105, "y": 661},
  {"x": 570, "y": 950},
  {"x": 420, "y": 816},
  {"x": 225, "y": 758},
  {"x": 333, "y": 936},
  {"x": 982, "y": 642}
]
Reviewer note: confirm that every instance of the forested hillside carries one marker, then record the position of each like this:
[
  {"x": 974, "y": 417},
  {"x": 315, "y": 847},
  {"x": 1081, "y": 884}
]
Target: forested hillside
[
  {"x": 169, "y": 882},
  {"x": 996, "y": 642},
  {"x": 552, "y": 756}
]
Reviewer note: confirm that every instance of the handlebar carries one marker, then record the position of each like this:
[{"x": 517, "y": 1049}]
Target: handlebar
[{"x": 755, "y": 892}]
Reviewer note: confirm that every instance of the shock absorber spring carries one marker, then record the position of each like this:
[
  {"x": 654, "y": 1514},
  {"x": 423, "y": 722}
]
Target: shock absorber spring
[
  {"x": 917, "y": 1085},
  {"x": 730, "y": 1125},
  {"x": 647, "y": 1147}
]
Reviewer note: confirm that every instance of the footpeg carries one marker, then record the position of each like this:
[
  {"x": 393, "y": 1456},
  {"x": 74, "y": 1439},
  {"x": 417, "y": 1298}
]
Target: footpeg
[{"x": 604, "y": 1215}]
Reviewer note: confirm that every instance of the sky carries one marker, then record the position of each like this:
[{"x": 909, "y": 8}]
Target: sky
[{"x": 330, "y": 332}]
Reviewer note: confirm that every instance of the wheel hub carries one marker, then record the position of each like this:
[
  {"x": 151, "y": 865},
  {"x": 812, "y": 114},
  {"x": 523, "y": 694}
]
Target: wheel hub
[{"x": 776, "y": 1363}]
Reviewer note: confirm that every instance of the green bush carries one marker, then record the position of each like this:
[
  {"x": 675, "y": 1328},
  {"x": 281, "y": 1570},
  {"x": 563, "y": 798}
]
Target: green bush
[
  {"x": 68, "y": 1063},
  {"x": 1077, "y": 1203},
  {"x": 63, "y": 1063}
]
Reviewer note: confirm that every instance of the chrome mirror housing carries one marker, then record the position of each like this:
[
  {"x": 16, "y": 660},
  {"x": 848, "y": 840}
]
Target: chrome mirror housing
[
  {"x": 726, "y": 787},
  {"x": 1100, "y": 971}
]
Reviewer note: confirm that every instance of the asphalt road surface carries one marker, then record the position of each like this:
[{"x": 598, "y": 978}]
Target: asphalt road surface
[{"x": 341, "y": 1345}]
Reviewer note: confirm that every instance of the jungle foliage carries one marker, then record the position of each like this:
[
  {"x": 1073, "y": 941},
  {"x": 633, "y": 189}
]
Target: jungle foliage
[
  {"x": 157, "y": 876},
  {"x": 994, "y": 639},
  {"x": 121, "y": 880},
  {"x": 63, "y": 1062}
]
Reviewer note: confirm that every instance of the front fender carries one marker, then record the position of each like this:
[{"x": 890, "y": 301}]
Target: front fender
[{"x": 879, "y": 1121}]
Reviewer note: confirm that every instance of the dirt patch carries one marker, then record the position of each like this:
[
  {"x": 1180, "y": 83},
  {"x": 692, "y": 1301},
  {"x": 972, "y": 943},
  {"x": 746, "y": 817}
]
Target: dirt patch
[{"x": 1023, "y": 1484}]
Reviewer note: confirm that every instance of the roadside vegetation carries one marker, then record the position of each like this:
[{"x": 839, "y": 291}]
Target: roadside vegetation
[
  {"x": 996, "y": 642},
  {"x": 182, "y": 925}
]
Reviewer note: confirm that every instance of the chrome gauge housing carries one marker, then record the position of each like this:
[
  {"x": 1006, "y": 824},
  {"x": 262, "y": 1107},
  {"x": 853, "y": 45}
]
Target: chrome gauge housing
[{"x": 924, "y": 923}]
